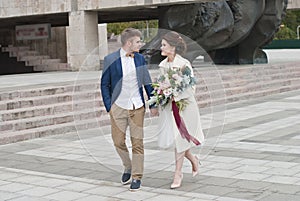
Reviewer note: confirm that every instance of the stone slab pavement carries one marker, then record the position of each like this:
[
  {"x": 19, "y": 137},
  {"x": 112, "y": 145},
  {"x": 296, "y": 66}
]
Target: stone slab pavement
[{"x": 252, "y": 152}]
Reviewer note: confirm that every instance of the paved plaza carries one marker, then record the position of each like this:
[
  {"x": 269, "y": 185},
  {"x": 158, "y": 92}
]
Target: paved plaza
[
  {"x": 255, "y": 157},
  {"x": 252, "y": 152}
]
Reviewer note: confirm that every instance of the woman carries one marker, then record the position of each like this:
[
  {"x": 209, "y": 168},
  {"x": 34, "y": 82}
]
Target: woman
[{"x": 173, "y": 46}]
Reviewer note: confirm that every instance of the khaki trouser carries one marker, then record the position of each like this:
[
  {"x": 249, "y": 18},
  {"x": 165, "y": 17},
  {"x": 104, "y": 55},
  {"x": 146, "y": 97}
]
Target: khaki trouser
[{"x": 120, "y": 119}]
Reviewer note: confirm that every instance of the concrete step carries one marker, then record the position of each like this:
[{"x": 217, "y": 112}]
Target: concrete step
[
  {"x": 39, "y": 111},
  {"x": 50, "y": 61},
  {"x": 240, "y": 76},
  {"x": 32, "y": 58},
  {"x": 27, "y": 53},
  {"x": 46, "y": 100},
  {"x": 46, "y": 110},
  {"x": 250, "y": 88},
  {"x": 60, "y": 88},
  {"x": 245, "y": 69},
  {"x": 11, "y": 48},
  {"x": 202, "y": 86},
  {"x": 60, "y": 67},
  {"x": 245, "y": 72},
  {"x": 42, "y": 121},
  {"x": 14, "y": 51},
  {"x": 11, "y": 137},
  {"x": 53, "y": 67},
  {"x": 229, "y": 82},
  {"x": 209, "y": 102},
  {"x": 19, "y": 106},
  {"x": 260, "y": 85},
  {"x": 66, "y": 94},
  {"x": 41, "y": 61}
]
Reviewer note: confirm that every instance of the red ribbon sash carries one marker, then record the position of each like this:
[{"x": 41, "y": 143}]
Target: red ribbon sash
[{"x": 181, "y": 125}]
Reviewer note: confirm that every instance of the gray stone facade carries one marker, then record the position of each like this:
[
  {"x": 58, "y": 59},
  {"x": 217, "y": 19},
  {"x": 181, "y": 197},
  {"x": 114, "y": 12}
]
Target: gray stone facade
[{"x": 84, "y": 43}]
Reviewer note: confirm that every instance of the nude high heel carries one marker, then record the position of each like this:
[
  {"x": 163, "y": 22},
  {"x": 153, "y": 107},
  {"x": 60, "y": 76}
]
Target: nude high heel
[
  {"x": 194, "y": 173},
  {"x": 177, "y": 184}
]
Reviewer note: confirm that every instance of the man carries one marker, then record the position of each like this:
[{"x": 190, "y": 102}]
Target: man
[{"x": 125, "y": 73}]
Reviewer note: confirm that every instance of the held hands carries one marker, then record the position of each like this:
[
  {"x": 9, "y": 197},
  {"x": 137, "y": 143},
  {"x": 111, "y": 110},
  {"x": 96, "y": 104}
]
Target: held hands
[{"x": 154, "y": 112}]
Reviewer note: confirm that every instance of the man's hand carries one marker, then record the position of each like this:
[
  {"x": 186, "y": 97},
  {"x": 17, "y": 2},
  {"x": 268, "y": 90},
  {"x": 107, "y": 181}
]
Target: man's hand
[{"x": 154, "y": 112}]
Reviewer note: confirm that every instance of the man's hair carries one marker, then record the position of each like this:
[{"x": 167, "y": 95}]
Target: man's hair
[{"x": 129, "y": 33}]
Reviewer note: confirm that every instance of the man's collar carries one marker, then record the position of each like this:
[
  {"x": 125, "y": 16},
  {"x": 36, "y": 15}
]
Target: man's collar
[{"x": 123, "y": 53}]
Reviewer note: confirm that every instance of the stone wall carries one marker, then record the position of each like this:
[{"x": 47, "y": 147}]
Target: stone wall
[
  {"x": 103, "y": 46},
  {"x": 55, "y": 47},
  {"x": 104, "y": 4},
  {"x": 293, "y": 4},
  {"x": 14, "y": 8},
  {"x": 83, "y": 41},
  {"x": 9, "y": 8}
]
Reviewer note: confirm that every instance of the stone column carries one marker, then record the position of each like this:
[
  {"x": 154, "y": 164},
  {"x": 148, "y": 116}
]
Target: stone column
[
  {"x": 103, "y": 45},
  {"x": 82, "y": 41}
]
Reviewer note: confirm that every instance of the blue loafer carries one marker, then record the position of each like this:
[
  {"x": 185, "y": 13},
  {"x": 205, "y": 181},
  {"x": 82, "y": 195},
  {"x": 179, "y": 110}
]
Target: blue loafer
[
  {"x": 135, "y": 185},
  {"x": 125, "y": 178}
]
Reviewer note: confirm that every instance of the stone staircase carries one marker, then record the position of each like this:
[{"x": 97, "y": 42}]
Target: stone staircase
[
  {"x": 38, "y": 111},
  {"x": 10, "y": 65},
  {"x": 41, "y": 111},
  {"x": 33, "y": 58},
  {"x": 245, "y": 82}
]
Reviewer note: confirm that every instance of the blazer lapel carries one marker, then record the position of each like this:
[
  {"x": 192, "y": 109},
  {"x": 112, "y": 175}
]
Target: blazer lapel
[
  {"x": 137, "y": 60},
  {"x": 137, "y": 69},
  {"x": 119, "y": 64}
]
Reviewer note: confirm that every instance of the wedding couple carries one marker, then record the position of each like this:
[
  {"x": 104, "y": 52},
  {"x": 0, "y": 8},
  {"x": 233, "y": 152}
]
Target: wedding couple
[{"x": 124, "y": 75}]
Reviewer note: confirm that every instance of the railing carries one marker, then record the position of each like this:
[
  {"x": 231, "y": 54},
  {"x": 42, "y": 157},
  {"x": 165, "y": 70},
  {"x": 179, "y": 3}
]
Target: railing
[{"x": 284, "y": 44}]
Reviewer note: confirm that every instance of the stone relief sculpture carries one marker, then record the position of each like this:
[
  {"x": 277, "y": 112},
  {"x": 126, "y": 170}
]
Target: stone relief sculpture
[{"x": 228, "y": 31}]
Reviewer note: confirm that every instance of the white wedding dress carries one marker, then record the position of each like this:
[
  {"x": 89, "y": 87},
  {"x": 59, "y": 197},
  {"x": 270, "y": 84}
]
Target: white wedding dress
[{"x": 168, "y": 133}]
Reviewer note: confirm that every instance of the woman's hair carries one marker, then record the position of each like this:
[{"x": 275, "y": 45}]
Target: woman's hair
[
  {"x": 175, "y": 40},
  {"x": 129, "y": 33}
]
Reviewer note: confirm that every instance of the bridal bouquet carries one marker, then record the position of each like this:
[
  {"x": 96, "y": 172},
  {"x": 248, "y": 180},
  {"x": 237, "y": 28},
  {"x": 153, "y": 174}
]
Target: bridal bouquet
[{"x": 170, "y": 85}]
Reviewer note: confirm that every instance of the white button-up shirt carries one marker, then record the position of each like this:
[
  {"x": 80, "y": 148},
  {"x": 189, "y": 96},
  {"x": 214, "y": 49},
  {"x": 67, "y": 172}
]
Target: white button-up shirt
[{"x": 129, "y": 97}]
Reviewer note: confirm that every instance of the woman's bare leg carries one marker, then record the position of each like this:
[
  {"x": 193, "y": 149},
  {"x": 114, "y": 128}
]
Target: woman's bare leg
[
  {"x": 193, "y": 159},
  {"x": 179, "y": 157}
]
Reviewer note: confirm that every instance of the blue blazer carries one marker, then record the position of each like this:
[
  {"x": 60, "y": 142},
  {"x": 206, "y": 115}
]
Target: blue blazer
[{"x": 112, "y": 76}]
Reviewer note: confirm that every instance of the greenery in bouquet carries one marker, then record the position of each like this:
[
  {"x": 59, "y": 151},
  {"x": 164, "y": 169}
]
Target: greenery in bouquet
[{"x": 170, "y": 85}]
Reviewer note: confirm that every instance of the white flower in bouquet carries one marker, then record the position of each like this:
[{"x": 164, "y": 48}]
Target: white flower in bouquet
[{"x": 170, "y": 85}]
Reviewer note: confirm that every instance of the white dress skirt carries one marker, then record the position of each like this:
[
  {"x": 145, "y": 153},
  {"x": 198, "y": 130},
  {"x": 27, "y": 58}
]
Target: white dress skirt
[{"x": 168, "y": 133}]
